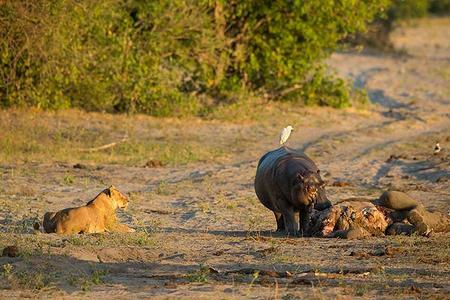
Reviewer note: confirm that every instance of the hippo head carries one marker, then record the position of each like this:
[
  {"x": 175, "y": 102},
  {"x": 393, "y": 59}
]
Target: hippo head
[{"x": 308, "y": 189}]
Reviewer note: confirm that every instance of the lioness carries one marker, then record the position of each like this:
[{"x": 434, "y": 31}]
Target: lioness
[
  {"x": 393, "y": 213},
  {"x": 98, "y": 215}
]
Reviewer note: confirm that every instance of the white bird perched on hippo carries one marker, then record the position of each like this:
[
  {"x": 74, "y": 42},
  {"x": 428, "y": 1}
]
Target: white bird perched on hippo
[
  {"x": 285, "y": 134},
  {"x": 288, "y": 183}
]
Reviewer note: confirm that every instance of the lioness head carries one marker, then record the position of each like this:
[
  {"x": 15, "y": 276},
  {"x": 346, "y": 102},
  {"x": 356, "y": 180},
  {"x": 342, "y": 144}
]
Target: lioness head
[
  {"x": 120, "y": 199},
  {"x": 375, "y": 218}
]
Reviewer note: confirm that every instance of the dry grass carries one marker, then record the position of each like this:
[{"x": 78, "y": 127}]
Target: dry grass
[
  {"x": 36, "y": 136},
  {"x": 29, "y": 135}
]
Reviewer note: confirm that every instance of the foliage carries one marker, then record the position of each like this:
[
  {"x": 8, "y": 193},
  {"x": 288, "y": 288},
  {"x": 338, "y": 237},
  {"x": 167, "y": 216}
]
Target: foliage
[
  {"x": 105, "y": 55},
  {"x": 325, "y": 90},
  {"x": 151, "y": 57},
  {"x": 439, "y": 6},
  {"x": 399, "y": 10},
  {"x": 275, "y": 43},
  {"x": 407, "y": 9}
]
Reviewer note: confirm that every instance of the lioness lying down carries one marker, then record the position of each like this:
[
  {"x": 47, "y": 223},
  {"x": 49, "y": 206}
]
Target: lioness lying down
[
  {"x": 98, "y": 215},
  {"x": 392, "y": 214}
]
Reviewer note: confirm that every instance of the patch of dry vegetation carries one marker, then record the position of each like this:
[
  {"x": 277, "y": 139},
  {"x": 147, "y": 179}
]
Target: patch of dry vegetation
[
  {"x": 28, "y": 135},
  {"x": 31, "y": 135}
]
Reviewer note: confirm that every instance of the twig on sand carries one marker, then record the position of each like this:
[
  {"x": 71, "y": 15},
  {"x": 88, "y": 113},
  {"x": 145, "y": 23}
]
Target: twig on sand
[
  {"x": 103, "y": 147},
  {"x": 269, "y": 273},
  {"x": 159, "y": 211},
  {"x": 309, "y": 271}
]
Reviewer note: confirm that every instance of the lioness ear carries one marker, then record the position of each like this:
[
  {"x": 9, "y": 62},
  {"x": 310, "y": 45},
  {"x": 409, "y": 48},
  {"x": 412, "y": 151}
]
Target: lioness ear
[
  {"x": 108, "y": 192},
  {"x": 318, "y": 172}
]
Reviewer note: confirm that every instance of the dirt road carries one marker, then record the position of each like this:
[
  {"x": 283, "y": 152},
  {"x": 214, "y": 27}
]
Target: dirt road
[{"x": 202, "y": 232}]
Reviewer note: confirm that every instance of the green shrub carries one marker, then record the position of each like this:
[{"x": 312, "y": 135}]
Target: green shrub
[
  {"x": 161, "y": 57},
  {"x": 106, "y": 55},
  {"x": 321, "y": 89},
  {"x": 439, "y": 7},
  {"x": 407, "y": 9},
  {"x": 275, "y": 44},
  {"x": 380, "y": 29}
]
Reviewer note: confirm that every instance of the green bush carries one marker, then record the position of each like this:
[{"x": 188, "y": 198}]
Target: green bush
[
  {"x": 440, "y": 7},
  {"x": 161, "y": 57},
  {"x": 380, "y": 29},
  {"x": 277, "y": 42},
  {"x": 407, "y": 9},
  {"x": 106, "y": 55}
]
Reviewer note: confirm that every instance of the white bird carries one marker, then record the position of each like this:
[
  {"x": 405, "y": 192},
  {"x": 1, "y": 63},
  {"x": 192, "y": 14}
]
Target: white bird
[
  {"x": 285, "y": 133},
  {"x": 437, "y": 148}
]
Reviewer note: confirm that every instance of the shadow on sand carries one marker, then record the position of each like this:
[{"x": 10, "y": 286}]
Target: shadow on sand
[{"x": 73, "y": 275}]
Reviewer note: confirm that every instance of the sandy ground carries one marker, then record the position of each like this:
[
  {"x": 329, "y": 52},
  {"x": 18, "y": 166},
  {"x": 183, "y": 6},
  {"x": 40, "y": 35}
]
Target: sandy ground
[{"x": 201, "y": 232}]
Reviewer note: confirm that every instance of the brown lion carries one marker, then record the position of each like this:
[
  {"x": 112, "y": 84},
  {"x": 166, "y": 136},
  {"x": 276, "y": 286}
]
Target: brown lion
[
  {"x": 393, "y": 213},
  {"x": 98, "y": 215}
]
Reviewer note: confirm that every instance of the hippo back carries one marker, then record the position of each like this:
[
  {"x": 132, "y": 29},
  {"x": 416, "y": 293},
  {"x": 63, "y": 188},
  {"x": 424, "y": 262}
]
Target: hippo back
[
  {"x": 272, "y": 159},
  {"x": 278, "y": 156}
]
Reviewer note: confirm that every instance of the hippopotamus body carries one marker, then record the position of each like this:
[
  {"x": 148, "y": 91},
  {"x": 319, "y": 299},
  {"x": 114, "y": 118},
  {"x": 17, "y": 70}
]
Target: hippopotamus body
[{"x": 288, "y": 183}]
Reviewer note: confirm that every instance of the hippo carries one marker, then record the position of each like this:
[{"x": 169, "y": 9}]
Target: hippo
[{"x": 289, "y": 184}]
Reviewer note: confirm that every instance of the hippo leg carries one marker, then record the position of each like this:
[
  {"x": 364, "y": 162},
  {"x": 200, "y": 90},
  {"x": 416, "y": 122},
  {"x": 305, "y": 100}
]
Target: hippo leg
[
  {"x": 280, "y": 221},
  {"x": 291, "y": 221},
  {"x": 305, "y": 220}
]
